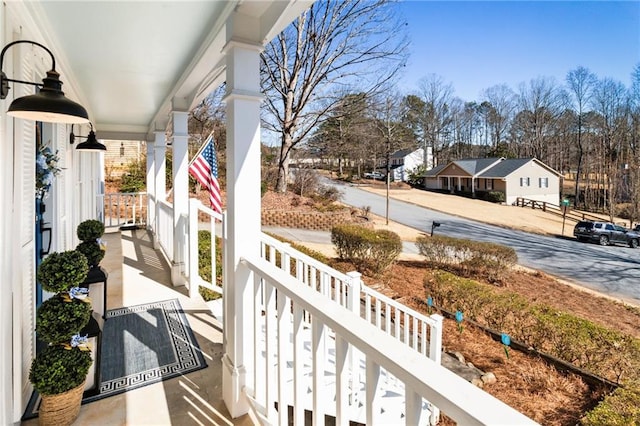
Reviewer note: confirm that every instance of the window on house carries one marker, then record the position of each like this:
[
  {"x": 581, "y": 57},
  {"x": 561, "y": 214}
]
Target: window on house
[
  {"x": 525, "y": 181},
  {"x": 544, "y": 182},
  {"x": 488, "y": 184}
]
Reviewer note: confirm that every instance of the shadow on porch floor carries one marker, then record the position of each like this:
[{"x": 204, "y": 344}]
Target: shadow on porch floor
[{"x": 138, "y": 274}]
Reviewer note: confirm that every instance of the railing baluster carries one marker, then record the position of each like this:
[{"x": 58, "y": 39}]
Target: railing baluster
[
  {"x": 343, "y": 396},
  {"x": 284, "y": 331},
  {"x": 270, "y": 347},
  {"x": 299, "y": 359},
  {"x": 372, "y": 391},
  {"x": 318, "y": 354}
]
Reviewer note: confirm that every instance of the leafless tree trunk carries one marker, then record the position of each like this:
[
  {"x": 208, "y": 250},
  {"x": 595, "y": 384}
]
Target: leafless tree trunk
[
  {"x": 502, "y": 104},
  {"x": 334, "y": 47},
  {"x": 609, "y": 99},
  {"x": 388, "y": 112},
  {"x": 580, "y": 82},
  {"x": 435, "y": 116}
]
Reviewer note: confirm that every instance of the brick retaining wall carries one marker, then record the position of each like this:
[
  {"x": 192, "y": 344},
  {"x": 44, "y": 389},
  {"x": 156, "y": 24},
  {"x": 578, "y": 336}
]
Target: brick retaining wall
[{"x": 305, "y": 220}]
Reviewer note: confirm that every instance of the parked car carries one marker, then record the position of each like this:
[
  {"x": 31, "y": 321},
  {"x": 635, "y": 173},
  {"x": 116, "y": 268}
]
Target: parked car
[
  {"x": 374, "y": 175},
  {"x": 605, "y": 233}
]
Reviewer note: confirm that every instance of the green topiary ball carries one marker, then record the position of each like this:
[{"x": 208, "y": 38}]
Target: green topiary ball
[
  {"x": 58, "y": 320},
  {"x": 56, "y": 369},
  {"x": 92, "y": 251},
  {"x": 60, "y": 271},
  {"x": 90, "y": 230}
]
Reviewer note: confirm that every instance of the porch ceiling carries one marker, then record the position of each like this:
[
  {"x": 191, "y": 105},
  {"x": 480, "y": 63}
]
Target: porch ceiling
[{"x": 128, "y": 61}]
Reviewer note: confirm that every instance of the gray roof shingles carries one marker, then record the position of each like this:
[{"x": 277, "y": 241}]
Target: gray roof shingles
[{"x": 505, "y": 168}]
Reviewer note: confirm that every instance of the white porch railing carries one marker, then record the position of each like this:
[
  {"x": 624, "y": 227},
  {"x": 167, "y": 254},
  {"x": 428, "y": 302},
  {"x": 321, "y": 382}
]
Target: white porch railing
[
  {"x": 122, "y": 209},
  {"x": 194, "y": 278},
  {"x": 336, "y": 347},
  {"x": 400, "y": 321},
  {"x": 280, "y": 306},
  {"x": 164, "y": 228}
]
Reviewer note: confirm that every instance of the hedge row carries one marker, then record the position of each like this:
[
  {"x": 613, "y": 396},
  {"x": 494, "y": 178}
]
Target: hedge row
[
  {"x": 204, "y": 263},
  {"x": 607, "y": 353},
  {"x": 367, "y": 249},
  {"x": 467, "y": 258}
]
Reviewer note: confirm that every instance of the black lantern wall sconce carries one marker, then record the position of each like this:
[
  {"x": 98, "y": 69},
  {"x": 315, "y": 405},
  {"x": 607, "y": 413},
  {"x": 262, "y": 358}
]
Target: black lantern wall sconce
[
  {"x": 49, "y": 104},
  {"x": 91, "y": 144}
]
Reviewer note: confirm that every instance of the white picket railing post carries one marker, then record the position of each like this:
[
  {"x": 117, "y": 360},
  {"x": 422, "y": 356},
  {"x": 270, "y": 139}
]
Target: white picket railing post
[
  {"x": 435, "y": 354},
  {"x": 192, "y": 270},
  {"x": 353, "y": 304}
]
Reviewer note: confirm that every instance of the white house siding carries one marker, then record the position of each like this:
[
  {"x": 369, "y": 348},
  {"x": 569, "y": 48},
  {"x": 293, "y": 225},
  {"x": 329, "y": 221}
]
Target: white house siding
[
  {"x": 533, "y": 171},
  {"x": 17, "y": 190}
]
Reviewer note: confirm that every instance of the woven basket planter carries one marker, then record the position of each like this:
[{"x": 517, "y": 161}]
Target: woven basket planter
[{"x": 61, "y": 409}]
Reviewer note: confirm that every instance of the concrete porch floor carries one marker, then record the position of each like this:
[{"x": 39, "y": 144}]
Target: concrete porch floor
[{"x": 138, "y": 274}]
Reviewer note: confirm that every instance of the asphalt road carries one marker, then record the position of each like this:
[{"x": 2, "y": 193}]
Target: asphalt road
[{"x": 612, "y": 270}]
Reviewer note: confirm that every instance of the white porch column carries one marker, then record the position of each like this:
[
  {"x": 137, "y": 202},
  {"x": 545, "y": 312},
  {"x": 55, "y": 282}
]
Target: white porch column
[
  {"x": 180, "y": 163},
  {"x": 151, "y": 186},
  {"x": 243, "y": 216},
  {"x": 160, "y": 185}
]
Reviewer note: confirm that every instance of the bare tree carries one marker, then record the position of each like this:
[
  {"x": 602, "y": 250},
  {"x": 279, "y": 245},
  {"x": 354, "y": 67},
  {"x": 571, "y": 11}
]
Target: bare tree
[
  {"x": 435, "y": 113},
  {"x": 609, "y": 101},
  {"x": 501, "y": 100},
  {"x": 541, "y": 103},
  {"x": 580, "y": 83},
  {"x": 388, "y": 113},
  {"x": 634, "y": 143},
  {"x": 334, "y": 47}
]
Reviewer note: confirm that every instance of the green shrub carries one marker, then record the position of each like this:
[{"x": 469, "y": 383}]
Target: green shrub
[
  {"x": 134, "y": 178},
  {"x": 494, "y": 197},
  {"x": 56, "y": 369},
  {"x": 57, "y": 320},
  {"x": 605, "y": 352},
  {"x": 60, "y": 271},
  {"x": 92, "y": 251},
  {"x": 622, "y": 407},
  {"x": 90, "y": 230},
  {"x": 468, "y": 258},
  {"x": 204, "y": 263},
  {"x": 366, "y": 248}
]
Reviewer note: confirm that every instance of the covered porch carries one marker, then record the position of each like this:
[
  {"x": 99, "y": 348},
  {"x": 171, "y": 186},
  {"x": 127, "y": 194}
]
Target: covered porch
[
  {"x": 138, "y": 274},
  {"x": 294, "y": 331}
]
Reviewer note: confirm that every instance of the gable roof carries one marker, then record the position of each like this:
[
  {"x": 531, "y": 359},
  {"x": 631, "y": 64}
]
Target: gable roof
[
  {"x": 401, "y": 153},
  {"x": 505, "y": 167},
  {"x": 508, "y": 166},
  {"x": 435, "y": 171},
  {"x": 473, "y": 166}
]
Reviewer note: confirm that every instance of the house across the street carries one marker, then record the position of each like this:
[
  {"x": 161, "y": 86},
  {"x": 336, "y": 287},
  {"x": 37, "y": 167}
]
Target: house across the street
[
  {"x": 514, "y": 177},
  {"x": 403, "y": 162}
]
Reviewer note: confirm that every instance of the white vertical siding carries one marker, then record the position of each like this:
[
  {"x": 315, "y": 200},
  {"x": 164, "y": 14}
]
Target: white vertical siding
[{"x": 24, "y": 213}]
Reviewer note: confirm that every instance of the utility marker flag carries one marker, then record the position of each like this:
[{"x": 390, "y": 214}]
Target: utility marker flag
[{"x": 204, "y": 168}]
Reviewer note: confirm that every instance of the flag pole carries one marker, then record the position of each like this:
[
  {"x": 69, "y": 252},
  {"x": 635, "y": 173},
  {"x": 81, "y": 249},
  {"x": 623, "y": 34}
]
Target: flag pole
[{"x": 200, "y": 149}]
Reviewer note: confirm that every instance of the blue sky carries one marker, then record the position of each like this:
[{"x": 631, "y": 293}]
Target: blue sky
[{"x": 477, "y": 44}]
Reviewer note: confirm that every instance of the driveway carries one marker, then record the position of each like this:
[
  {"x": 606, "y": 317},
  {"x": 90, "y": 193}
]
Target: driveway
[{"x": 612, "y": 270}]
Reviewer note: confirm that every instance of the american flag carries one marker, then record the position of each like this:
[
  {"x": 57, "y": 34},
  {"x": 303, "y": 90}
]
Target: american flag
[{"x": 204, "y": 168}]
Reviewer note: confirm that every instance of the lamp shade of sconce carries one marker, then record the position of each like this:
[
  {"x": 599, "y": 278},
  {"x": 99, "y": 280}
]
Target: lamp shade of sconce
[
  {"x": 49, "y": 104},
  {"x": 91, "y": 144}
]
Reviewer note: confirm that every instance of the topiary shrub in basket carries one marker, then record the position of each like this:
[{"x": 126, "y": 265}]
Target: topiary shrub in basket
[
  {"x": 90, "y": 230},
  {"x": 59, "y": 318},
  {"x": 60, "y": 271},
  {"x": 92, "y": 251},
  {"x": 58, "y": 369},
  {"x": 58, "y": 373}
]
